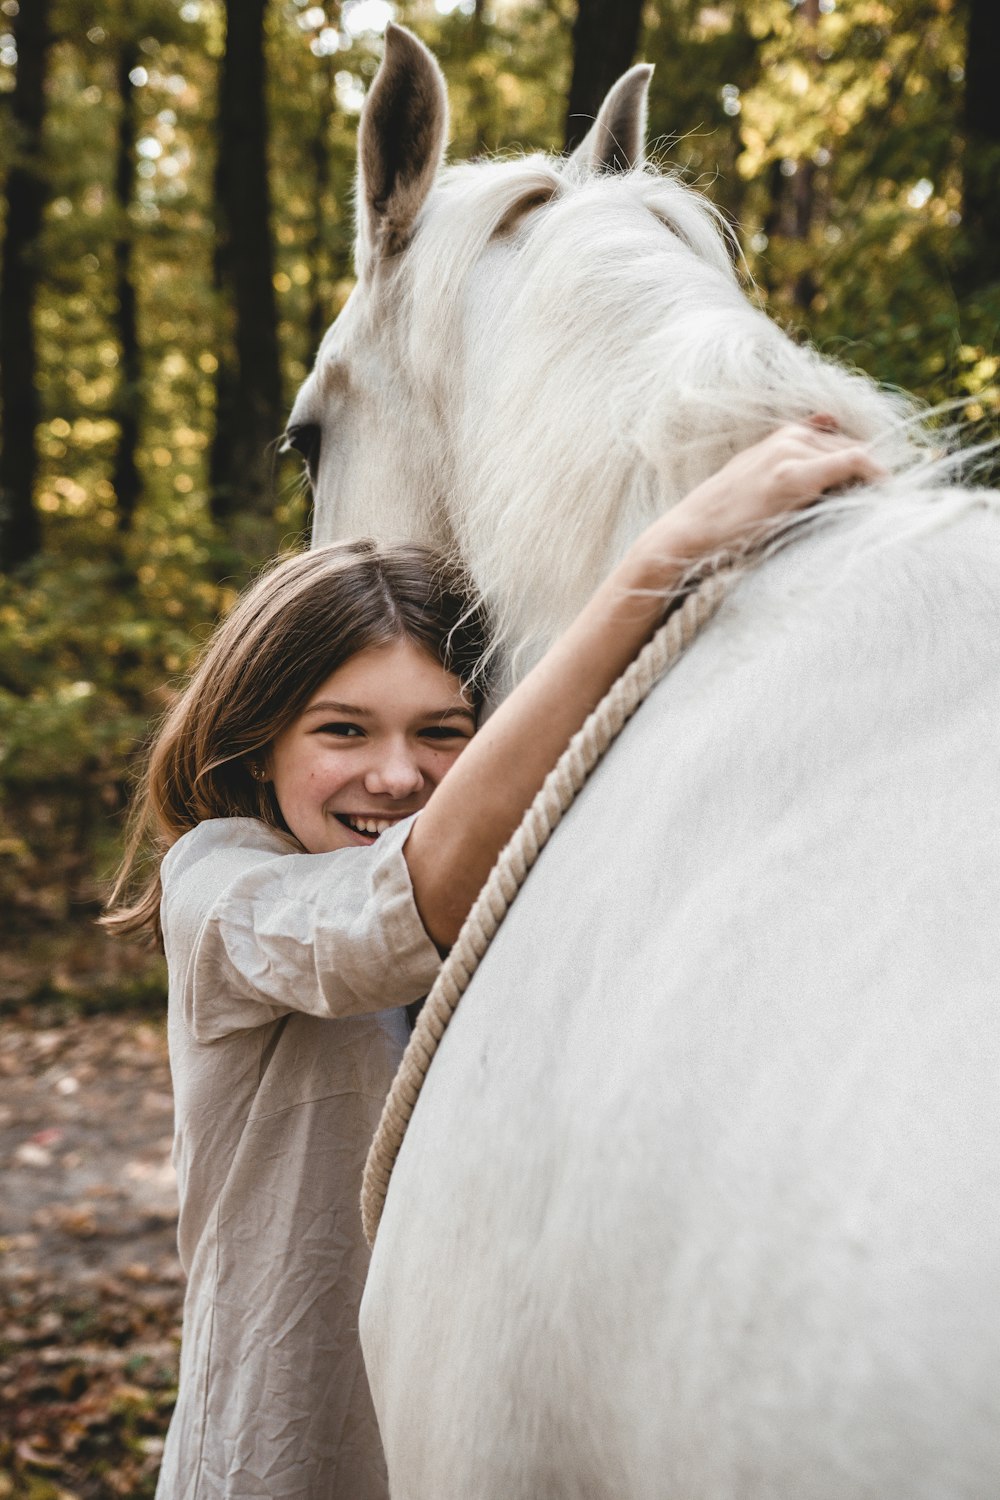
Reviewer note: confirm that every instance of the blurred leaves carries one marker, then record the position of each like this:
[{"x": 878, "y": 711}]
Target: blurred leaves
[
  {"x": 88, "y": 651},
  {"x": 90, "y": 1286}
]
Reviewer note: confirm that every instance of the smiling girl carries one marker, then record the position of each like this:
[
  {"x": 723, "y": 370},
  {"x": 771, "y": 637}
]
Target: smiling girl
[{"x": 301, "y": 904}]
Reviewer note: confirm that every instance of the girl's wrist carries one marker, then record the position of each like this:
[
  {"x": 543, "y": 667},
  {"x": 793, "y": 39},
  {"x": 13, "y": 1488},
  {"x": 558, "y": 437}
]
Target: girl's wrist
[{"x": 667, "y": 550}]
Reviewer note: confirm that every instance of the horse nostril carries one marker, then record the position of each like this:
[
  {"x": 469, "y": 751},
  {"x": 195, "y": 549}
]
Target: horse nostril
[{"x": 305, "y": 438}]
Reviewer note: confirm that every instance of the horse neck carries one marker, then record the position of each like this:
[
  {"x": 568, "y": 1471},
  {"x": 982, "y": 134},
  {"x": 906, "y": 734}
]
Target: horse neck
[
  {"x": 551, "y": 488},
  {"x": 600, "y": 369}
]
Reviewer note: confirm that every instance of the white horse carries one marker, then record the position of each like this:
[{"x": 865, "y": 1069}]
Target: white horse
[{"x": 700, "y": 1198}]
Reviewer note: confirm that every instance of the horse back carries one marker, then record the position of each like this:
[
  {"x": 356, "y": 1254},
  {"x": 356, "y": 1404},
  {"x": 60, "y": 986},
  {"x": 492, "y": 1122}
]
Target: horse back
[{"x": 699, "y": 1196}]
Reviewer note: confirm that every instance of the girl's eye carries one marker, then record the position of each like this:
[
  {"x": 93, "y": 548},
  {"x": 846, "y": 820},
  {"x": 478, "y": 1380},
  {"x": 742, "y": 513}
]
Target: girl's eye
[
  {"x": 445, "y": 732},
  {"x": 341, "y": 731}
]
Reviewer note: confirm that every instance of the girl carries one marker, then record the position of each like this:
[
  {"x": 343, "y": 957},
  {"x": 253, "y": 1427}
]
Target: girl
[{"x": 302, "y": 905}]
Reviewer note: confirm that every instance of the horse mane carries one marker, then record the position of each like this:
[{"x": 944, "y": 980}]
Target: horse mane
[{"x": 617, "y": 361}]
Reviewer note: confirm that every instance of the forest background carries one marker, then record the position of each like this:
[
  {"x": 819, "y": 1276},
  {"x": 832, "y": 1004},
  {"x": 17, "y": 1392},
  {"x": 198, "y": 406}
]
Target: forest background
[
  {"x": 175, "y": 235},
  {"x": 177, "y": 230}
]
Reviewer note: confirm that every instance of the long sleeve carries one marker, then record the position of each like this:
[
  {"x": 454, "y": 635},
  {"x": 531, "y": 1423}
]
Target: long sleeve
[{"x": 254, "y": 930}]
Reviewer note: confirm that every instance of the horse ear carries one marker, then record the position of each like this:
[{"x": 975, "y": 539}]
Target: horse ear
[
  {"x": 400, "y": 144},
  {"x": 615, "y": 141}
]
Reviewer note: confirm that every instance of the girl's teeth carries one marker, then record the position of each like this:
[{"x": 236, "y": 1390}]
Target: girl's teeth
[{"x": 371, "y": 826}]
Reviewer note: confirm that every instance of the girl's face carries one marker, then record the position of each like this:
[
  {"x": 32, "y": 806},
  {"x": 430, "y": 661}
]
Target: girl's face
[{"x": 369, "y": 747}]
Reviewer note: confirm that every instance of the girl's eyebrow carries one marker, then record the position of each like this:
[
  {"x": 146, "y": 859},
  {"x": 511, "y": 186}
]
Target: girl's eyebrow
[
  {"x": 328, "y": 705},
  {"x": 455, "y": 713},
  {"x": 352, "y": 710}
]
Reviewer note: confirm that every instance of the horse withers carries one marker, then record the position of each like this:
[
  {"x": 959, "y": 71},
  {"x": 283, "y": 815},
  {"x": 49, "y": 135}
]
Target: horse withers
[{"x": 699, "y": 1197}]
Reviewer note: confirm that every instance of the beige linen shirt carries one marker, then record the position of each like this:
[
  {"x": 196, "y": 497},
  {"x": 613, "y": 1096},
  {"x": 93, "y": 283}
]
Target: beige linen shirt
[{"x": 287, "y": 971}]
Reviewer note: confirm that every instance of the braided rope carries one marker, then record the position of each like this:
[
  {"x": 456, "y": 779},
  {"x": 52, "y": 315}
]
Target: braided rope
[{"x": 555, "y": 796}]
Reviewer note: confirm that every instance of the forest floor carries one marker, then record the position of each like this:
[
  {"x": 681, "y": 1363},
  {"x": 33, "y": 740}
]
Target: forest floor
[{"x": 90, "y": 1285}]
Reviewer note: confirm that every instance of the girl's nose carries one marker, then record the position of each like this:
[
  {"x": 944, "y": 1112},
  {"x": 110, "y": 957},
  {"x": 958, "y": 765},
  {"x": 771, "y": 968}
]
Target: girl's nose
[{"x": 395, "y": 774}]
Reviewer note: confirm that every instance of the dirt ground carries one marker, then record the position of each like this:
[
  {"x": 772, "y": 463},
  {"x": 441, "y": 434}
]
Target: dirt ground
[{"x": 90, "y": 1285}]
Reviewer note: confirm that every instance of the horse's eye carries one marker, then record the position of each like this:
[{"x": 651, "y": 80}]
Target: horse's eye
[{"x": 305, "y": 439}]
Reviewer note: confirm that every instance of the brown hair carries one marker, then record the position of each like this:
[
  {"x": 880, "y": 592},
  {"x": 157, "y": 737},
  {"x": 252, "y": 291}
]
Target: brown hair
[{"x": 301, "y": 621}]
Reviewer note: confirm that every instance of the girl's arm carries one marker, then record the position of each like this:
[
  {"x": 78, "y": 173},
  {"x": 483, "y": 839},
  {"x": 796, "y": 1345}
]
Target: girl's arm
[{"x": 455, "y": 842}]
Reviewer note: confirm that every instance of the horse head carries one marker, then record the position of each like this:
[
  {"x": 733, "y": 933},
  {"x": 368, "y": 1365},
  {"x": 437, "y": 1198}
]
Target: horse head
[{"x": 541, "y": 354}]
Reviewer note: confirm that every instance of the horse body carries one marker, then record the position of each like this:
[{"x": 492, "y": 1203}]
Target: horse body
[{"x": 697, "y": 1196}]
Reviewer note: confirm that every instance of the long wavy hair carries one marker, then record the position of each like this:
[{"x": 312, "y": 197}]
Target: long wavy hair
[{"x": 302, "y": 620}]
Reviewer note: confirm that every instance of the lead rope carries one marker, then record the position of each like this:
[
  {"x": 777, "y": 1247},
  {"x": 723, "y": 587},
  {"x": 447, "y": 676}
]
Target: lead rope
[{"x": 555, "y": 796}]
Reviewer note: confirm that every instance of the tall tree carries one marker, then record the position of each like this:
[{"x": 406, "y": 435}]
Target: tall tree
[
  {"x": 320, "y": 162},
  {"x": 804, "y": 180},
  {"x": 478, "y": 101},
  {"x": 250, "y": 397},
  {"x": 126, "y": 479},
  {"x": 981, "y": 167},
  {"x": 605, "y": 37},
  {"x": 20, "y": 534}
]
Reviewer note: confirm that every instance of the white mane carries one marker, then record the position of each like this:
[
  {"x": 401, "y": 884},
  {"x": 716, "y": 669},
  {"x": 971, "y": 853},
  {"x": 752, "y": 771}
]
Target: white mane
[{"x": 606, "y": 360}]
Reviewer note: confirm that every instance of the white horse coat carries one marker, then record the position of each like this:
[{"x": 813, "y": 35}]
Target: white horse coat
[{"x": 700, "y": 1196}]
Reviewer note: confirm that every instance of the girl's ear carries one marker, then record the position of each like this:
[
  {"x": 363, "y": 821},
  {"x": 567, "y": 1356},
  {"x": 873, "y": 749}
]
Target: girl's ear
[
  {"x": 401, "y": 143},
  {"x": 617, "y": 139}
]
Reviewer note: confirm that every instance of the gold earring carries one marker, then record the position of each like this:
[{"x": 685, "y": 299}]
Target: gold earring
[{"x": 258, "y": 773}]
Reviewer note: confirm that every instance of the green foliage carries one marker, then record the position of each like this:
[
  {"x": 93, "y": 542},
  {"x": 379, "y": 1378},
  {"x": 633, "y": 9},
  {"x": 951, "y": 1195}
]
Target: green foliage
[
  {"x": 830, "y": 133},
  {"x": 90, "y": 646},
  {"x": 851, "y": 162}
]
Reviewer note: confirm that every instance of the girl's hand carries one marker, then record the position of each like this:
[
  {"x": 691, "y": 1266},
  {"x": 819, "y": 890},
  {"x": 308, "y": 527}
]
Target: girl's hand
[
  {"x": 453, "y": 844},
  {"x": 785, "y": 472}
]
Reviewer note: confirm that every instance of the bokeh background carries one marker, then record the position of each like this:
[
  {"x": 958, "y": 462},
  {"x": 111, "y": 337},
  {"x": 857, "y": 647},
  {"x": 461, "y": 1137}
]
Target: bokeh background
[{"x": 175, "y": 235}]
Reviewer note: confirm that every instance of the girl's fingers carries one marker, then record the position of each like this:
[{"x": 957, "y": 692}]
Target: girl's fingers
[
  {"x": 799, "y": 440},
  {"x": 808, "y": 478},
  {"x": 786, "y": 471}
]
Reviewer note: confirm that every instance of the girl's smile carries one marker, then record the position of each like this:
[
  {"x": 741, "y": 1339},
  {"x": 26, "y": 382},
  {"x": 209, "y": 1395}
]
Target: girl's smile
[{"x": 369, "y": 747}]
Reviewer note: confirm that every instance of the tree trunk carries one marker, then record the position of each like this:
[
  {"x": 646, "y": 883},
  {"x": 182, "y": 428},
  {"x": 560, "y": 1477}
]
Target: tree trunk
[
  {"x": 804, "y": 181},
  {"x": 249, "y": 410},
  {"x": 20, "y": 533},
  {"x": 479, "y": 102},
  {"x": 320, "y": 308},
  {"x": 605, "y": 38},
  {"x": 981, "y": 165},
  {"x": 126, "y": 480}
]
